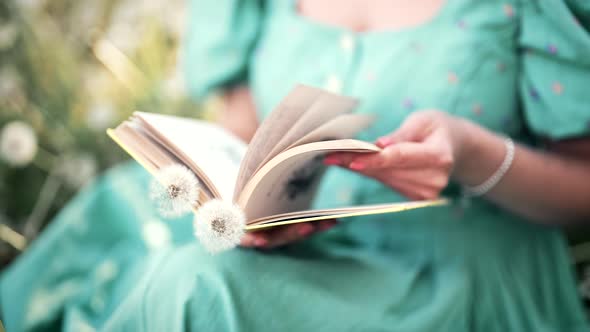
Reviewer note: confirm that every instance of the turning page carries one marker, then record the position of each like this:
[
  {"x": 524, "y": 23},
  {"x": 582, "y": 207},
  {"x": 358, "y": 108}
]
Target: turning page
[
  {"x": 287, "y": 183},
  {"x": 340, "y": 127},
  {"x": 291, "y": 108},
  {"x": 326, "y": 107},
  {"x": 215, "y": 151}
]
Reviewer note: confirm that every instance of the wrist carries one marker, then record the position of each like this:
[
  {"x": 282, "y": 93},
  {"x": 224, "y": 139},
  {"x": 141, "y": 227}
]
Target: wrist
[
  {"x": 479, "y": 155},
  {"x": 464, "y": 144}
]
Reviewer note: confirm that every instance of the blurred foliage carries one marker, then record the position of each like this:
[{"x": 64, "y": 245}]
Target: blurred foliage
[{"x": 70, "y": 69}]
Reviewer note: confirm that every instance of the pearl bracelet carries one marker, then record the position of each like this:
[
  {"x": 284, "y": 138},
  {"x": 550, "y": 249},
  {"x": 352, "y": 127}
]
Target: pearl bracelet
[{"x": 493, "y": 180}]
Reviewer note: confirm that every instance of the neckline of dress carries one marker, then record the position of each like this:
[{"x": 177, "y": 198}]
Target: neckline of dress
[{"x": 339, "y": 30}]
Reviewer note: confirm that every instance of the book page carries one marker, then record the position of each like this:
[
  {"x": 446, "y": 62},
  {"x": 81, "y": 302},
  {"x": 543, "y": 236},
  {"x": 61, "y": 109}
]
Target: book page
[
  {"x": 152, "y": 148},
  {"x": 149, "y": 155},
  {"x": 340, "y": 213},
  {"x": 291, "y": 108},
  {"x": 215, "y": 151},
  {"x": 325, "y": 108},
  {"x": 340, "y": 127},
  {"x": 134, "y": 148},
  {"x": 288, "y": 182}
]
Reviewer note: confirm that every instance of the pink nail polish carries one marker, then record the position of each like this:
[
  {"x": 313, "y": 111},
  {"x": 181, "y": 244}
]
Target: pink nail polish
[{"x": 357, "y": 165}]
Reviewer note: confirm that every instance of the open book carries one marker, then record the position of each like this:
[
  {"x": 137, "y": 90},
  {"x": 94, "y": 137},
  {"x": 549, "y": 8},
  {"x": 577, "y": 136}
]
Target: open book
[{"x": 274, "y": 178}]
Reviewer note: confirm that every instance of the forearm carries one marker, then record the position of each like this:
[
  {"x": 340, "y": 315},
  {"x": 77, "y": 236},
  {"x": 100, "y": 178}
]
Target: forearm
[
  {"x": 545, "y": 187},
  {"x": 238, "y": 113}
]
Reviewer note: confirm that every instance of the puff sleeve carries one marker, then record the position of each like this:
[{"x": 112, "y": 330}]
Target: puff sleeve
[
  {"x": 218, "y": 44},
  {"x": 555, "y": 67}
]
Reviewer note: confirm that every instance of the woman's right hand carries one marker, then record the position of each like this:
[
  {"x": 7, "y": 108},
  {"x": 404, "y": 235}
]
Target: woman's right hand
[
  {"x": 238, "y": 114},
  {"x": 417, "y": 159}
]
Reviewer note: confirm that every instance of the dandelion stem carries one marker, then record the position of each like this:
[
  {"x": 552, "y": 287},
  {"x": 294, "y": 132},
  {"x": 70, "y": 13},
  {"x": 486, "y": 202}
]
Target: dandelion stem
[
  {"x": 44, "y": 159},
  {"x": 42, "y": 205},
  {"x": 12, "y": 237}
]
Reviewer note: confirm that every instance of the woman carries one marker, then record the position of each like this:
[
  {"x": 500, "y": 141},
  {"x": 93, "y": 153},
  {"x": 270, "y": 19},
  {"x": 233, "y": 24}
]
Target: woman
[{"x": 447, "y": 80}]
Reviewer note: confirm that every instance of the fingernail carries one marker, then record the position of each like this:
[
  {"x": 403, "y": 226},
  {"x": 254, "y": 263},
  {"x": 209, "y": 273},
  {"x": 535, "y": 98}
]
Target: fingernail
[
  {"x": 384, "y": 141},
  {"x": 331, "y": 161},
  {"x": 260, "y": 242},
  {"x": 305, "y": 229},
  {"x": 357, "y": 165}
]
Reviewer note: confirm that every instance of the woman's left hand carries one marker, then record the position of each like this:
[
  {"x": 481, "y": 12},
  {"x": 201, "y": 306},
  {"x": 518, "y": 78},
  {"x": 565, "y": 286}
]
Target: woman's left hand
[
  {"x": 283, "y": 235},
  {"x": 417, "y": 159}
]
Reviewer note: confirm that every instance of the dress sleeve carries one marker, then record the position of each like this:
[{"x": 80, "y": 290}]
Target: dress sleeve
[
  {"x": 555, "y": 67},
  {"x": 218, "y": 44}
]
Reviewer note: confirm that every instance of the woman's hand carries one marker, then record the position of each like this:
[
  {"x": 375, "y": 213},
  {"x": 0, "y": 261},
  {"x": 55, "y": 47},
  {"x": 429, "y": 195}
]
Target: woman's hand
[
  {"x": 283, "y": 235},
  {"x": 417, "y": 159}
]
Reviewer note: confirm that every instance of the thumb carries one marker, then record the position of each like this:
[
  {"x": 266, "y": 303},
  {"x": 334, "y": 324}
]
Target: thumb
[{"x": 413, "y": 129}]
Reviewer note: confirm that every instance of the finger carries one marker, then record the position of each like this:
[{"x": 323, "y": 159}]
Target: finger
[
  {"x": 286, "y": 234},
  {"x": 415, "y": 176},
  {"x": 406, "y": 189},
  {"x": 410, "y": 184},
  {"x": 255, "y": 239},
  {"x": 432, "y": 179},
  {"x": 411, "y": 190},
  {"x": 324, "y": 225},
  {"x": 429, "y": 178},
  {"x": 424, "y": 183},
  {"x": 339, "y": 158},
  {"x": 411, "y": 130},
  {"x": 298, "y": 232},
  {"x": 400, "y": 155}
]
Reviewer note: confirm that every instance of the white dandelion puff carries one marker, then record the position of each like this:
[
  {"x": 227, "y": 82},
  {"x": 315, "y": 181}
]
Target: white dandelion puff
[
  {"x": 8, "y": 34},
  {"x": 156, "y": 234},
  {"x": 175, "y": 191},
  {"x": 100, "y": 116},
  {"x": 11, "y": 85},
  {"x": 219, "y": 225},
  {"x": 18, "y": 143}
]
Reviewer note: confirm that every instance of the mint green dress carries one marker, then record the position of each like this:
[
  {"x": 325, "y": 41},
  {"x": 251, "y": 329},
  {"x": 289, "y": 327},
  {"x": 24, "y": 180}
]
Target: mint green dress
[{"x": 108, "y": 262}]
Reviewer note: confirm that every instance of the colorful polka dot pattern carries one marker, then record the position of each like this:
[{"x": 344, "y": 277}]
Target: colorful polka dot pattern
[
  {"x": 477, "y": 109},
  {"x": 557, "y": 88},
  {"x": 508, "y": 10},
  {"x": 452, "y": 78},
  {"x": 534, "y": 93},
  {"x": 408, "y": 104}
]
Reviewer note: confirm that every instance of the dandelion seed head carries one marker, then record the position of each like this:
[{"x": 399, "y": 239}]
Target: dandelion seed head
[
  {"x": 8, "y": 35},
  {"x": 100, "y": 116},
  {"x": 175, "y": 190},
  {"x": 18, "y": 144},
  {"x": 219, "y": 225}
]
